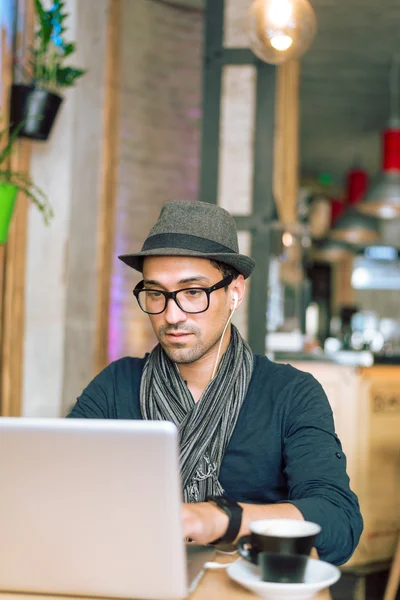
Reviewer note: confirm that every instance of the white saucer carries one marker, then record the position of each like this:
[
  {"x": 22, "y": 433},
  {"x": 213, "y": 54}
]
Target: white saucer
[{"x": 319, "y": 575}]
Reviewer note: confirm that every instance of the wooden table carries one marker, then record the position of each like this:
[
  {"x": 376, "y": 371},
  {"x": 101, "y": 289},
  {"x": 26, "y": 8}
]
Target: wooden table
[{"x": 215, "y": 585}]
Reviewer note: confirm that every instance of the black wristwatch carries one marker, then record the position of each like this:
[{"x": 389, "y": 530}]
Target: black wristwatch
[{"x": 234, "y": 512}]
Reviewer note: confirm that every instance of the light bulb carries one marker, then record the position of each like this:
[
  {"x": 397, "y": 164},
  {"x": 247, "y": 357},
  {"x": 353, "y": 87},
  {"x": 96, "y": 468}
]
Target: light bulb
[
  {"x": 281, "y": 30},
  {"x": 388, "y": 212},
  {"x": 287, "y": 239},
  {"x": 281, "y": 42},
  {"x": 279, "y": 13}
]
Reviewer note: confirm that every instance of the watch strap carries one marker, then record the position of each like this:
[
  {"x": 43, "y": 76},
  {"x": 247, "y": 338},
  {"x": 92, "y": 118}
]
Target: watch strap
[{"x": 234, "y": 512}]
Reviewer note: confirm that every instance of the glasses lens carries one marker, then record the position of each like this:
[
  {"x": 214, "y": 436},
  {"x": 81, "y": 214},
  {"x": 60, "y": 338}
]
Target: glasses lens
[
  {"x": 193, "y": 300},
  {"x": 151, "y": 301}
]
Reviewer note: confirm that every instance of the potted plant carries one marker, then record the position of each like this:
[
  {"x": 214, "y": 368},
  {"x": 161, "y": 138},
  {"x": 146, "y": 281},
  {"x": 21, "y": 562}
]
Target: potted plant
[
  {"x": 12, "y": 182},
  {"x": 36, "y": 104}
]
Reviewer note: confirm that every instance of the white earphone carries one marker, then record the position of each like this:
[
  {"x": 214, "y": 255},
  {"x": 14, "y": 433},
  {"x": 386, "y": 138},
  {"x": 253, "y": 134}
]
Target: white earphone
[
  {"x": 235, "y": 298},
  {"x": 235, "y": 301}
]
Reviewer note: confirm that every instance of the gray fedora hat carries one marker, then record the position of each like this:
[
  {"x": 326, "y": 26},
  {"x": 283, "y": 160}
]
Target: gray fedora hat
[{"x": 193, "y": 228}]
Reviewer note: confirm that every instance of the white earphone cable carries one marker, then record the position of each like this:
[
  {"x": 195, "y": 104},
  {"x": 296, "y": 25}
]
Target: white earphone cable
[{"x": 220, "y": 343}]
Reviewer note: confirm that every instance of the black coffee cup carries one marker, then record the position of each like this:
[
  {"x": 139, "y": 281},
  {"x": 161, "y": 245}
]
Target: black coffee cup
[
  {"x": 282, "y": 568},
  {"x": 278, "y": 536}
]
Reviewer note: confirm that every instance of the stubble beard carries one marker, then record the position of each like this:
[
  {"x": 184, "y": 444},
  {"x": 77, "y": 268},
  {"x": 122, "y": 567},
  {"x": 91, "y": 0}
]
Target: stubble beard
[{"x": 181, "y": 354}]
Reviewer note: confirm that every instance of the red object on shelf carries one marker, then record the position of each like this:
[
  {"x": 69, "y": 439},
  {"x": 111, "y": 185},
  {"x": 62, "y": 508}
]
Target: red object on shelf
[
  {"x": 337, "y": 208},
  {"x": 391, "y": 150},
  {"x": 357, "y": 184}
]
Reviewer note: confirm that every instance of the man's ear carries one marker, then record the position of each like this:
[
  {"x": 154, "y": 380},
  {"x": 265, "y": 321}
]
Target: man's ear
[{"x": 238, "y": 291}]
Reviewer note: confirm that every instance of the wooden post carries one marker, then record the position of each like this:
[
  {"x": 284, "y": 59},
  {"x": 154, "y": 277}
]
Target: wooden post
[
  {"x": 5, "y": 82},
  {"x": 286, "y": 150},
  {"x": 342, "y": 292},
  {"x": 109, "y": 181},
  {"x": 13, "y": 254},
  {"x": 393, "y": 583}
]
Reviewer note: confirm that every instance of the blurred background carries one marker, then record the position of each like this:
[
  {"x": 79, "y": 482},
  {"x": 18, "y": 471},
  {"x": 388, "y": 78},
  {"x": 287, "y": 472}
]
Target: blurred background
[{"x": 297, "y": 135}]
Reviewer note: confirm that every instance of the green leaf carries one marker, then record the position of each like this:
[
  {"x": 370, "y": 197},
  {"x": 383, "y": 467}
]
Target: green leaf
[
  {"x": 40, "y": 11},
  {"x": 69, "y": 49},
  {"x": 22, "y": 181},
  {"x": 66, "y": 76},
  {"x": 45, "y": 25},
  {"x": 5, "y": 153},
  {"x": 26, "y": 186},
  {"x": 50, "y": 49}
]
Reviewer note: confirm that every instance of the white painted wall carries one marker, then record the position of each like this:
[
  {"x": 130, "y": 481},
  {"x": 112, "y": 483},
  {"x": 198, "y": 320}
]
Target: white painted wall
[{"x": 67, "y": 168}]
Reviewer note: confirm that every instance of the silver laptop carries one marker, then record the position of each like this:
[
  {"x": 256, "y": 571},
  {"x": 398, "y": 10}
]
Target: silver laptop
[{"x": 93, "y": 508}]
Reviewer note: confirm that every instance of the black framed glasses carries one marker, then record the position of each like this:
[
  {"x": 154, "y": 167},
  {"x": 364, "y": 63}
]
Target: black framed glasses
[{"x": 191, "y": 300}]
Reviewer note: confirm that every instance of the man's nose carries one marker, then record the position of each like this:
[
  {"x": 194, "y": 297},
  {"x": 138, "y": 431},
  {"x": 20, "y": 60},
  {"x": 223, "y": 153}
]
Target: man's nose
[{"x": 173, "y": 314}]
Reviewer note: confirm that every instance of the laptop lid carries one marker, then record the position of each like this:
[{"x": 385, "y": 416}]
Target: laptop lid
[{"x": 91, "y": 508}]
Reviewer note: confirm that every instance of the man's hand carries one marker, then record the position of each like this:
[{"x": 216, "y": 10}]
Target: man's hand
[{"x": 204, "y": 522}]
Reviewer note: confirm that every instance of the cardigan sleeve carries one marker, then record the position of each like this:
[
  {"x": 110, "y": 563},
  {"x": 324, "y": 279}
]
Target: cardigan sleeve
[
  {"x": 315, "y": 469},
  {"x": 96, "y": 399},
  {"x": 113, "y": 393}
]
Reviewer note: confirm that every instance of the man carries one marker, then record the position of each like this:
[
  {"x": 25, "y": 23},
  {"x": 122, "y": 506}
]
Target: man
[{"x": 257, "y": 439}]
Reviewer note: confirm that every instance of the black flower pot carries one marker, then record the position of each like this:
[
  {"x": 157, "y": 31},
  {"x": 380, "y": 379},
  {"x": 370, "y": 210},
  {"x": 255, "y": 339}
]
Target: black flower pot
[{"x": 36, "y": 107}]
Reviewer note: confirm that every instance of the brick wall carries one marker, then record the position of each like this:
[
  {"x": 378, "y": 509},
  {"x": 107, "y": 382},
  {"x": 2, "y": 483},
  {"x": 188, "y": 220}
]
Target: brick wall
[{"x": 159, "y": 144}]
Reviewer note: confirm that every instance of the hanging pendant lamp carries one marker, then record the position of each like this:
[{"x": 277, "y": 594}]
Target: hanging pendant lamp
[
  {"x": 337, "y": 209},
  {"x": 357, "y": 181},
  {"x": 353, "y": 227},
  {"x": 356, "y": 228},
  {"x": 281, "y": 30},
  {"x": 383, "y": 198}
]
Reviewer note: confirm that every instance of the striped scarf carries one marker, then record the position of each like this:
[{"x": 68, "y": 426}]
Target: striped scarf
[{"x": 205, "y": 427}]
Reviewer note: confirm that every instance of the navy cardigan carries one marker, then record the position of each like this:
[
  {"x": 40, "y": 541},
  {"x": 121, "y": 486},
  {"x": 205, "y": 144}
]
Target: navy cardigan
[{"x": 284, "y": 447}]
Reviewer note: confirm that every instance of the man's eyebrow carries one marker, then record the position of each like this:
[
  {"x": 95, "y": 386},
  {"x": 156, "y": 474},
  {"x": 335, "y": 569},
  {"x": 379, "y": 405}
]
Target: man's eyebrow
[{"x": 194, "y": 279}]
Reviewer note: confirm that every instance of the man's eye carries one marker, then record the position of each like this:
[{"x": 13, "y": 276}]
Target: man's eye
[
  {"x": 193, "y": 293},
  {"x": 154, "y": 294}
]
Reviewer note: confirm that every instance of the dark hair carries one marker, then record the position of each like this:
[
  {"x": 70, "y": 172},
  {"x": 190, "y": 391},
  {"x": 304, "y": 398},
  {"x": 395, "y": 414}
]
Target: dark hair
[{"x": 225, "y": 269}]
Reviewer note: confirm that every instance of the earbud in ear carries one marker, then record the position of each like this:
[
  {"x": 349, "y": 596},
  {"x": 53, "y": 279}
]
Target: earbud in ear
[{"x": 235, "y": 300}]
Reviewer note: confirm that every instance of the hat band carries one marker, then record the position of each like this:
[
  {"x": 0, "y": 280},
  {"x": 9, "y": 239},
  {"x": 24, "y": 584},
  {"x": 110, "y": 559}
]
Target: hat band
[{"x": 185, "y": 242}]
